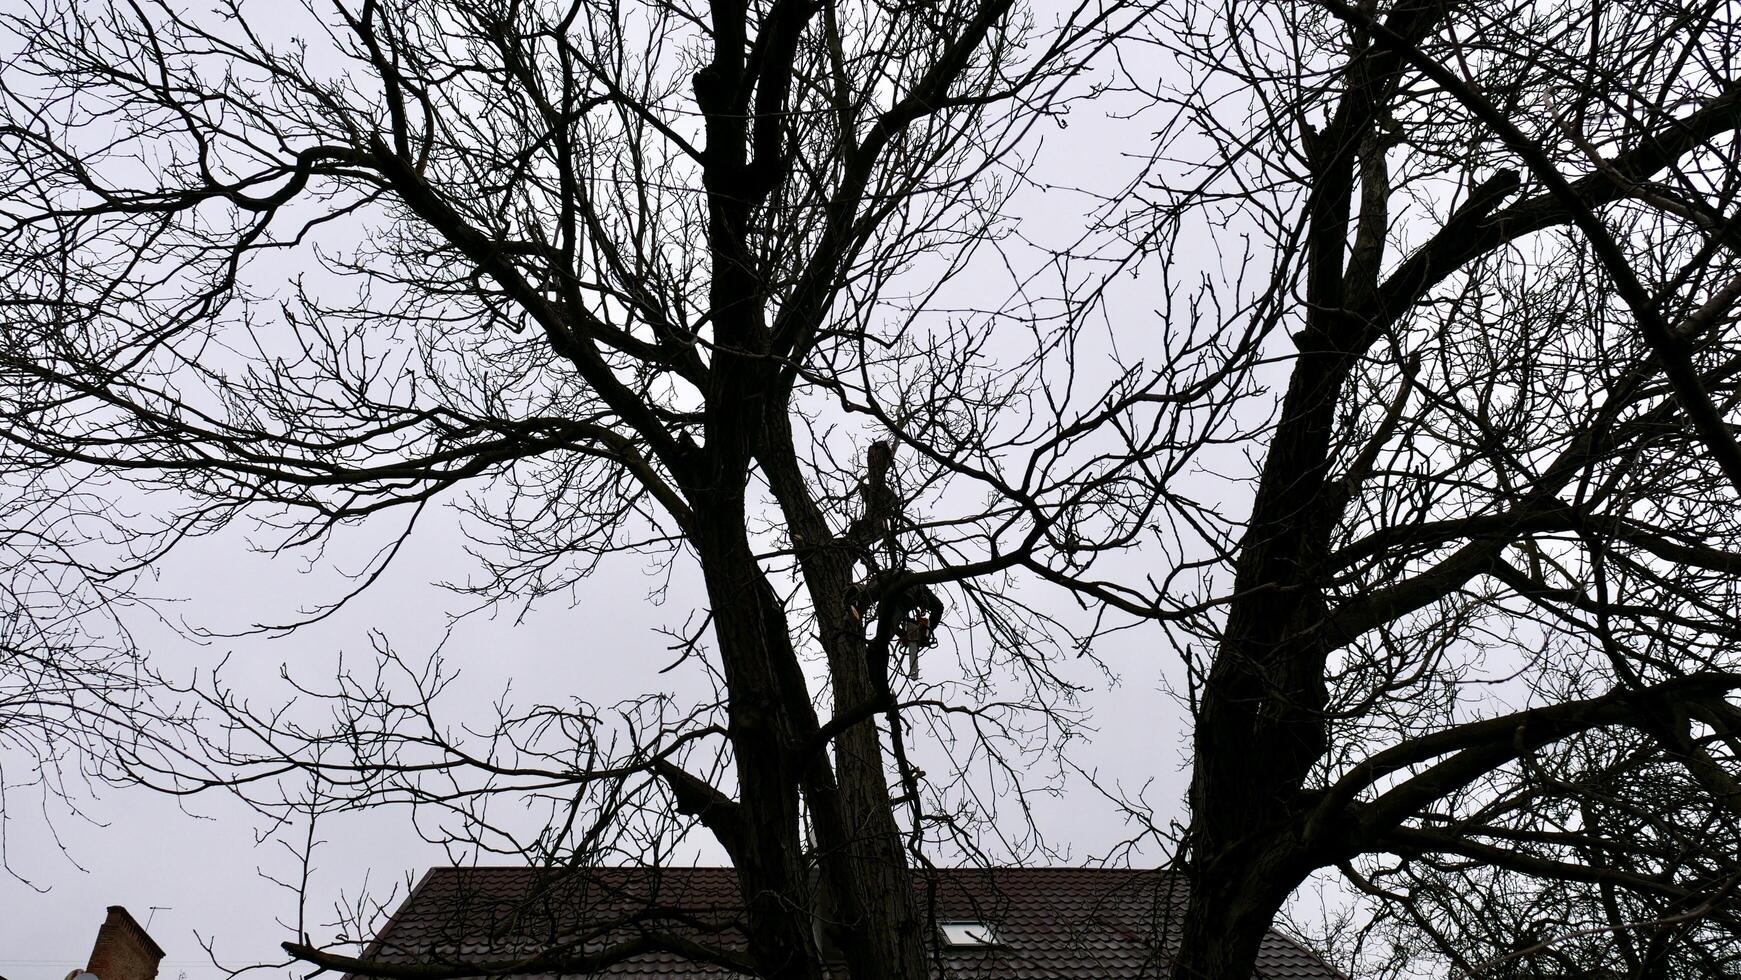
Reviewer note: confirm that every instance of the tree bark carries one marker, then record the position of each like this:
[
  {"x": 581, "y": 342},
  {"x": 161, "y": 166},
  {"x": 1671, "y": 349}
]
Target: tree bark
[
  {"x": 1261, "y": 725},
  {"x": 765, "y": 730},
  {"x": 872, "y": 913}
]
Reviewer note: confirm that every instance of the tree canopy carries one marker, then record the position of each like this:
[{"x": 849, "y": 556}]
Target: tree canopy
[{"x": 1392, "y": 397}]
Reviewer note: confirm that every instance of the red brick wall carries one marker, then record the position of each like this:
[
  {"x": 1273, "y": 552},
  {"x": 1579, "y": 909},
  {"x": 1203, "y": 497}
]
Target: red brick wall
[{"x": 123, "y": 951}]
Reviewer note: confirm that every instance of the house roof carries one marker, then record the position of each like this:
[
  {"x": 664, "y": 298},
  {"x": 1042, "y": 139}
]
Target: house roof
[{"x": 1051, "y": 923}]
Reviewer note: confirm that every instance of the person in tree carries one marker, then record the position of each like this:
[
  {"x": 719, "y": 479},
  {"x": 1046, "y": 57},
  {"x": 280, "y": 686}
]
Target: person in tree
[
  {"x": 908, "y": 614},
  {"x": 911, "y": 617}
]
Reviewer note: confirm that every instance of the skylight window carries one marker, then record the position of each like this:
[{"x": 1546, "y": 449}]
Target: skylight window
[{"x": 961, "y": 935}]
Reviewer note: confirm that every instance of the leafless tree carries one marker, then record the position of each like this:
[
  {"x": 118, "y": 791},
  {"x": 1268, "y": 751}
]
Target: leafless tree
[
  {"x": 75, "y": 694},
  {"x": 1472, "y": 642},
  {"x": 619, "y": 278},
  {"x": 1463, "y": 631}
]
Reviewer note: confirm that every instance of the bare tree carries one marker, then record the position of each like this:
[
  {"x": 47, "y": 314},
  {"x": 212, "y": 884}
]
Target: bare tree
[
  {"x": 1475, "y": 637},
  {"x": 75, "y": 694},
  {"x": 1639, "y": 874},
  {"x": 619, "y": 278},
  {"x": 620, "y": 269}
]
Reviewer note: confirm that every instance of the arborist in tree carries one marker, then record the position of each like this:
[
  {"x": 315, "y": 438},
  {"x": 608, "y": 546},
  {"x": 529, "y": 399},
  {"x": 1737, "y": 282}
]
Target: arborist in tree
[
  {"x": 905, "y": 613},
  {"x": 911, "y": 618}
]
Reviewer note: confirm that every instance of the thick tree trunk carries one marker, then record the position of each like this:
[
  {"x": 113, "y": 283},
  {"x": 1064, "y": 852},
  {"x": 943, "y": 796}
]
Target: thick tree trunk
[
  {"x": 1259, "y": 731},
  {"x": 1260, "y": 722},
  {"x": 767, "y": 723},
  {"x": 771, "y": 718},
  {"x": 885, "y": 943},
  {"x": 774, "y": 733},
  {"x": 1261, "y": 725},
  {"x": 872, "y": 914},
  {"x": 774, "y": 730},
  {"x": 1233, "y": 903}
]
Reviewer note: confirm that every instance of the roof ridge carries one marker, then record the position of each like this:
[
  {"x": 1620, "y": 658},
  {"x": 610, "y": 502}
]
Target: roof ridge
[{"x": 377, "y": 943}]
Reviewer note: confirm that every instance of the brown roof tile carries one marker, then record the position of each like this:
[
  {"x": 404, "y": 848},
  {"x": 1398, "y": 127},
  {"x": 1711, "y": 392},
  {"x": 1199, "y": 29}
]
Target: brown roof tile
[{"x": 1053, "y": 923}]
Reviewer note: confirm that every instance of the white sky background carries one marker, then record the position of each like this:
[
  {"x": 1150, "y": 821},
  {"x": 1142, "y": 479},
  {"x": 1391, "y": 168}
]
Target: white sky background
[{"x": 199, "y": 860}]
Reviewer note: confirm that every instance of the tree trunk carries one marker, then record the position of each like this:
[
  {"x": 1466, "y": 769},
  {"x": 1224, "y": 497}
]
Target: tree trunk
[
  {"x": 1260, "y": 721},
  {"x": 860, "y": 853},
  {"x": 1233, "y": 903},
  {"x": 1255, "y": 746},
  {"x": 766, "y": 724},
  {"x": 873, "y": 915},
  {"x": 774, "y": 731},
  {"x": 886, "y": 943}
]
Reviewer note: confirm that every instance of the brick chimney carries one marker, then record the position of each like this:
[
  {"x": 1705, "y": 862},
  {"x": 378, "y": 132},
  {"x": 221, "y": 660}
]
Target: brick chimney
[{"x": 123, "y": 951}]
